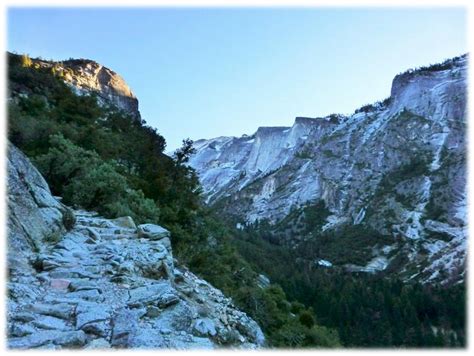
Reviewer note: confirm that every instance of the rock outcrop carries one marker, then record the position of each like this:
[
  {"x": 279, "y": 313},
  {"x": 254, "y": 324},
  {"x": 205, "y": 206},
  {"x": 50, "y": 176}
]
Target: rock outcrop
[
  {"x": 86, "y": 76},
  {"x": 398, "y": 167},
  {"x": 104, "y": 283}
]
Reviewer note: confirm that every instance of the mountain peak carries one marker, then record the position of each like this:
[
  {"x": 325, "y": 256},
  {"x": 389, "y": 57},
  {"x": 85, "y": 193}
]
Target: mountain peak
[{"x": 87, "y": 76}]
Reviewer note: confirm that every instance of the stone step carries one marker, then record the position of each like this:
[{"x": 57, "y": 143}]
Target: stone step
[
  {"x": 92, "y": 295},
  {"x": 106, "y": 230},
  {"x": 61, "y": 310},
  {"x": 109, "y": 237},
  {"x": 85, "y": 213},
  {"x": 95, "y": 222},
  {"x": 46, "y": 337},
  {"x": 72, "y": 273},
  {"x": 50, "y": 323}
]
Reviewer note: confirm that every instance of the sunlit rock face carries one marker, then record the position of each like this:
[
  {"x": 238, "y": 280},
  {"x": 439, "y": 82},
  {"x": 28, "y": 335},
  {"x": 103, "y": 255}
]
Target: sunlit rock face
[
  {"x": 398, "y": 166},
  {"x": 86, "y": 77}
]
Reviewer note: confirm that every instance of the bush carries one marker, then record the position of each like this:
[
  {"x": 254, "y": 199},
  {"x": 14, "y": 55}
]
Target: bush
[
  {"x": 307, "y": 319},
  {"x": 372, "y": 107},
  {"x": 69, "y": 219},
  {"x": 53, "y": 237},
  {"x": 85, "y": 180},
  {"x": 447, "y": 64},
  {"x": 297, "y": 335},
  {"x": 322, "y": 336}
]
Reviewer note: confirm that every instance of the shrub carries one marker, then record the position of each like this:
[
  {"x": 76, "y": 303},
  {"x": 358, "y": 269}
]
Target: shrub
[
  {"x": 322, "y": 336},
  {"x": 372, "y": 107},
  {"x": 53, "y": 237},
  {"x": 69, "y": 219},
  {"x": 447, "y": 64},
  {"x": 307, "y": 319},
  {"x": 296, "y": 335},
  {"x": 85, "y": 180},
  {"x": 296, "y": 307},
  {"x": 304, "y": 154}
]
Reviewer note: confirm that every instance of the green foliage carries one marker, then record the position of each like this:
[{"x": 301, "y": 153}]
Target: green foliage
[
  {"x": 329, "y": 153},
  {"x": 307, "y": 319},
  {"x": 372, "y": 107},
  {"x": 101, "y": 159},
  {"x": 417, "y": 166},
  {"x": 447, "y": 64},
  {"x": 85, "y": 180},
  {"x": 315, "y": 216},
  {"x": 183, "y": 154},
  {"x": 366, "y": 310},
  {"x": 303, "y": 154},
  {"x": 434, "y": 210},
  {"x": 295, "y": 334},
  {"x": 349, "y": 244},
  {"x": 305, "y": 221},
  {"x": 53, "y": 237}
]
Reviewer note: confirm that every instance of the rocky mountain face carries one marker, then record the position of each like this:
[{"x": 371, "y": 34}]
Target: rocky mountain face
[
  {"x": 397, "y": 167},
  {"x": 89, "y": 77},
  {"x": 77, "y": 280}
]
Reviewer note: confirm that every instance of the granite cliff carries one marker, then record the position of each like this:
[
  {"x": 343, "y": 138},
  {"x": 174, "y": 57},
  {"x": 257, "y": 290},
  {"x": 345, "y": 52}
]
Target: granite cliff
[
  {"x": 397, "y": 167},
  {"x": 86, "y": 76}
]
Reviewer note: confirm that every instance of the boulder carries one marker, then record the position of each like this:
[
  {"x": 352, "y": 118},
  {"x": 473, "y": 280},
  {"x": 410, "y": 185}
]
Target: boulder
[
  {"x": 50, "y": 323},
  {"x": 60, "y": 284},
  {"x": 23, "y": 317},
  {"x": 34, "y": 213},
  {"x": 71, "y": 339},
  {"x": 60, "y": 310},
  {"x": 125, "y": 221},
  {"x": 48, "y": 337},
  {"x": 204, "y": 327},
  {"x": 249, "y": 328},
  {"x": 124, "y": 324},
  {"x": 91, "y": 316},
  {"x": 19, "y": 330},
  {"x": 151, "y": 260},
  {"x": 160, "y": 294},
  {"x": 152, "y": 232}
]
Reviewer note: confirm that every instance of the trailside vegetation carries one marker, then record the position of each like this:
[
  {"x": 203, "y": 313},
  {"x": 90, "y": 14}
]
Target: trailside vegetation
[{"x": 101, "y": 159}]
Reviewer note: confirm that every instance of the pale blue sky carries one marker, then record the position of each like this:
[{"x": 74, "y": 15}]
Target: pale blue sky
[{"x": 207, "y": 72}]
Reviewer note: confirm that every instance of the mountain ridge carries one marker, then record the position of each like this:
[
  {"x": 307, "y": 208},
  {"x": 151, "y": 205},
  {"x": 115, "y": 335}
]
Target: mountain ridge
[{"x": 382, "y": 167}]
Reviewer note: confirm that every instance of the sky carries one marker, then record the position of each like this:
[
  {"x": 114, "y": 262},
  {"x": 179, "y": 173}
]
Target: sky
[{"x": 208, "y": 72}]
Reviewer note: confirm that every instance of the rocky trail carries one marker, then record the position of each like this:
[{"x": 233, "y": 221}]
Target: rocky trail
[{"x": 109, "y": 284}]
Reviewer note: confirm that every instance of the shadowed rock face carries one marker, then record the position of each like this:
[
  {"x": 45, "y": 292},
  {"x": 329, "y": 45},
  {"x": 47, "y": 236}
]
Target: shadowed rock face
[
  {"x": 398, "y": 167},
  {"x": 105, "y": 283},
  {"x": 28, "y": 196}
]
